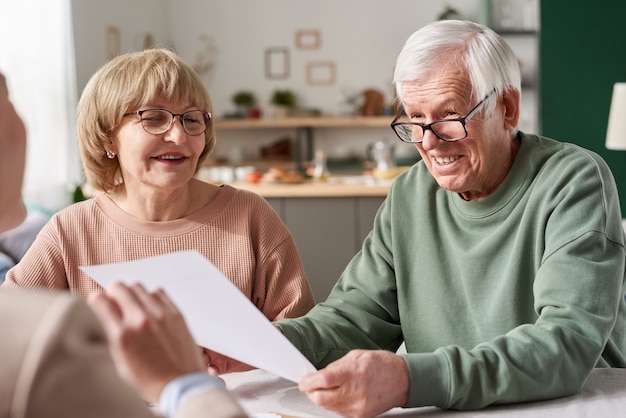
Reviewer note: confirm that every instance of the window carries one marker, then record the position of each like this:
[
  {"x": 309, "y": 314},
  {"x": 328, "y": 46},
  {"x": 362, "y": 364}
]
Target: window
[{"x": 36, "y": 57}]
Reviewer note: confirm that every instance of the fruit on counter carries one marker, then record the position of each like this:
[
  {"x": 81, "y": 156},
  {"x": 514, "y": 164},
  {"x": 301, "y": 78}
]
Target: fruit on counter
[
  {"x": 279, "y": 175},
  {"x": 254, "y": 177}
]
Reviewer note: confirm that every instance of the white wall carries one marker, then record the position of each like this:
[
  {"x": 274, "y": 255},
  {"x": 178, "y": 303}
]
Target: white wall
[
  {"x": 362, "y": 38},
  {"x": 91, "y": 18}
]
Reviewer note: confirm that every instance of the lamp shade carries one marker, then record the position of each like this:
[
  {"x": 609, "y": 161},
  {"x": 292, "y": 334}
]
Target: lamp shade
[{"x": 616, "y": 130}]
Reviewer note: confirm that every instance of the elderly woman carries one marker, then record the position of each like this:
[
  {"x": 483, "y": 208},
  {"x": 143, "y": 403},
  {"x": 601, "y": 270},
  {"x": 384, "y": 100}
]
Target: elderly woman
[
  {"x": 66, "y": 345},
  {"x": 144, "y": 126},
  {"x": 499, "y": 258}
]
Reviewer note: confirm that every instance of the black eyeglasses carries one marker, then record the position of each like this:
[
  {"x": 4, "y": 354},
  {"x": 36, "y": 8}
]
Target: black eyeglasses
[
  {"x": 445, "y": 129},
  {"x": 159, "y": 121}
]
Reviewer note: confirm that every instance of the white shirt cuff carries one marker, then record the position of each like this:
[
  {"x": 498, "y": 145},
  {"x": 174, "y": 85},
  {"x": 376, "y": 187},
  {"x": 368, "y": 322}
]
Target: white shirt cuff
[{"x": 177, "y": 390}]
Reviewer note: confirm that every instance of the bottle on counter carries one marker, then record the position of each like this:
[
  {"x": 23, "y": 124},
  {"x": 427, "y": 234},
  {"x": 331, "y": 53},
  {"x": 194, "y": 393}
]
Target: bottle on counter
[{"x": 320, "y": 167}]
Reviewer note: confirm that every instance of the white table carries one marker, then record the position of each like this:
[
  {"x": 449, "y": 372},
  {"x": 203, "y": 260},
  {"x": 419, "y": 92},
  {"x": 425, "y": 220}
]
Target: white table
[{"x": 604, "y": 395}]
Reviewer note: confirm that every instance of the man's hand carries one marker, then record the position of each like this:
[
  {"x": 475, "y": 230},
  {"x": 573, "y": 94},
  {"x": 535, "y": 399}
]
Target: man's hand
[
  {"x": 150, "y": 342},
  {"x": 361, "y": 384}
]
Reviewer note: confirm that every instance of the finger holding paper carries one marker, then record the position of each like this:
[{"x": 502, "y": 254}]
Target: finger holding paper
[{"x": 150, "y": 342}]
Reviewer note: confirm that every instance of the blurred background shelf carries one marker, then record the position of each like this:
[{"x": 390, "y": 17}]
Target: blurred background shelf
[
  {"x": 303, "y": 126},
  {"x": 304, "y": 122}
]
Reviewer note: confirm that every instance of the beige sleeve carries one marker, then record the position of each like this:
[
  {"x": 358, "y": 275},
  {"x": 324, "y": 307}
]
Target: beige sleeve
[{"x": 56, "y": 361}]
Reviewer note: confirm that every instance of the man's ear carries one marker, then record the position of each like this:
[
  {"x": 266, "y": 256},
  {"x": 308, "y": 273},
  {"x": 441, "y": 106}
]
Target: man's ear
[{"x": 511, "y": 100}]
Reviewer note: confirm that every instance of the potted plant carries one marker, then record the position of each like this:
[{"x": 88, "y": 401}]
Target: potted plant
[
  {"x": 449, "y": 13},
  {"x": 283, "y": 101},
  {"x": 245, "y": 101}
]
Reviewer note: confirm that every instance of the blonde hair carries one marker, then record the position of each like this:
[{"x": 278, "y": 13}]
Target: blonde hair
[{"x": 127, "y": 83}]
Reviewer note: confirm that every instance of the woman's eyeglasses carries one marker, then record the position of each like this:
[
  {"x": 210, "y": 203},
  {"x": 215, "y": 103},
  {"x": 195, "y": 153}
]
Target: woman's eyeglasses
[{"x": 159, "y": 121}]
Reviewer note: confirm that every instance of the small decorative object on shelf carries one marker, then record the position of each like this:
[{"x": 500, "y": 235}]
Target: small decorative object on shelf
[
  {"x": 373, "y": 103},
  {"x": 449, "y": 13},
  {"x": 245, "y": 101},
  {"x": 78, "y": 195},
  {"x": 284, "y": 101},
  {"x": 277, "y": 150}
]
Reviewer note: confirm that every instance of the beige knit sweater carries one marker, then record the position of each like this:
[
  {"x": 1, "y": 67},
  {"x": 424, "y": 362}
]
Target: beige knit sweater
[{"x": 238, "y": 231}]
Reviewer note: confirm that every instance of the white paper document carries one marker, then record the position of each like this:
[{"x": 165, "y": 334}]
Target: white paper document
[{"x": 219, "y": 316}]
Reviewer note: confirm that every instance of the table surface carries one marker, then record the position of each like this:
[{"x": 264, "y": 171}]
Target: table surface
[{"x": 265, "y": 395}]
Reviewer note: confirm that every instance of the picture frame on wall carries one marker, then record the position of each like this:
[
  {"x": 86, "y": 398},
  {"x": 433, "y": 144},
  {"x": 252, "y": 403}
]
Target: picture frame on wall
[
  {"x": 320, "y": 73},
  {"x": 276, "y": 63},
  {"x": 308, "y": 39},
  {"x": 112, "y": 41}
]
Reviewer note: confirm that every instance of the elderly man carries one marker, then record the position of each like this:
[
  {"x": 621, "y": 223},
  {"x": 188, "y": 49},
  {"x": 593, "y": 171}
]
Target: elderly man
[
  {"x": 54, "y": 356},
  {"x": 498, "y": 259}
]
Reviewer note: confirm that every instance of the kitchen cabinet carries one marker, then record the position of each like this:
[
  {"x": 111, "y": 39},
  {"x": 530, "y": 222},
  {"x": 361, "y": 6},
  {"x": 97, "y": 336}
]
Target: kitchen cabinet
[
  {"x": 304, "y": 128},
  {"x": 328, "y": 232}
]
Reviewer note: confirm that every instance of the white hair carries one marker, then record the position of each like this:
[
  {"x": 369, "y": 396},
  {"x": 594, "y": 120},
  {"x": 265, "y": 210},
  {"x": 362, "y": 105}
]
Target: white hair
[{"x": 488, "y": 59}]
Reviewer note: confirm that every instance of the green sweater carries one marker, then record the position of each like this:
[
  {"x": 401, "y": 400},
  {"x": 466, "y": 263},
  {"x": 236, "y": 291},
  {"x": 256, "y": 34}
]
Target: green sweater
[{"x": 512, "y": 298}]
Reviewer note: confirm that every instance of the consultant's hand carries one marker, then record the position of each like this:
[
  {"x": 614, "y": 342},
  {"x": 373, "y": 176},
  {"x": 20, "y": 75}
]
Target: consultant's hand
[
  {"x": 12, "y": 160},
  {"x": 150, "y": 342},
  {"x": 363, "y": 383}
]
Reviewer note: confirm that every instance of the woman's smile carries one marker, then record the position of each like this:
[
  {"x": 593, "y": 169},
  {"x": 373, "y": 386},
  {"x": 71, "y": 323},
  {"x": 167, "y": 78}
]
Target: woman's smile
[{"x": 171, "y": 158}]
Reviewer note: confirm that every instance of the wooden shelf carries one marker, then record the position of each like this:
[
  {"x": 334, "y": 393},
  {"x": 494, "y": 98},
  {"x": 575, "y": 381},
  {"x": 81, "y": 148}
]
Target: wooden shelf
[
  {"x": 304, "y": 128},
  {"x": 305, "y": 122}
]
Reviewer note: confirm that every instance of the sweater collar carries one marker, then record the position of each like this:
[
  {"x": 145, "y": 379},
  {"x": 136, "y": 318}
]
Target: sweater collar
[{"x": 506, "y": 192}]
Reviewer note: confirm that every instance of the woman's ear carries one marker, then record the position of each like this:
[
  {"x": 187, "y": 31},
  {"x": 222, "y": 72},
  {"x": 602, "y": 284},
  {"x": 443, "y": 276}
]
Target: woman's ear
[
  {"x": 511, "y": 101},
  {"x": 109, "y": 145}
]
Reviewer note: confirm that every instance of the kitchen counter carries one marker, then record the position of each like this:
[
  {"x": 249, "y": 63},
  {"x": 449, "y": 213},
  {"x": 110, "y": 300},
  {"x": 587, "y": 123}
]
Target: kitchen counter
[{"x": 335, "y": 187}]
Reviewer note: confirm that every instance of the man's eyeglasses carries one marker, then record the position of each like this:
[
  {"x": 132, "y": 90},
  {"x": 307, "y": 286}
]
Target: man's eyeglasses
[
  {"x": 445, "y": 129},
  {"x": 159, "y": 121}
]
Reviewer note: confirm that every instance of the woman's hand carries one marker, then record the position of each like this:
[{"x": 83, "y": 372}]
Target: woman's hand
[{"x": 217, "y": 364}]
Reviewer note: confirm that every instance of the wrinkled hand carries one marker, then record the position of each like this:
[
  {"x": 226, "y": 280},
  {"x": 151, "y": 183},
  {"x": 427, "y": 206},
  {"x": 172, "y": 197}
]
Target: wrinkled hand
[
  {"x": 150, "y": 342},
  {"x": 363, "y": 383}
]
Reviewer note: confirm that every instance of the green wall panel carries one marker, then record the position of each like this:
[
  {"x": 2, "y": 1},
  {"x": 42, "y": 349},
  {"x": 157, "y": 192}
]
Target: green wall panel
[{"x": 582, "y": 53}]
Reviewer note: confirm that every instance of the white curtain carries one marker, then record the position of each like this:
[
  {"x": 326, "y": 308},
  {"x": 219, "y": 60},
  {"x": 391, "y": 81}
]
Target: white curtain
[{"x": 37, "y": 58}]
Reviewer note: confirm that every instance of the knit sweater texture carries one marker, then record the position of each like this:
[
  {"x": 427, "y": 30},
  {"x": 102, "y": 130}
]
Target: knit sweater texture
[
  {"x": 238, "y": 231},
  {"x": 512, "y": 298}
]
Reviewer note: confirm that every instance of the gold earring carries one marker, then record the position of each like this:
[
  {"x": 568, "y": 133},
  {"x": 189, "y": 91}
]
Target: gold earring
[{"x": 110, "y": 154}]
